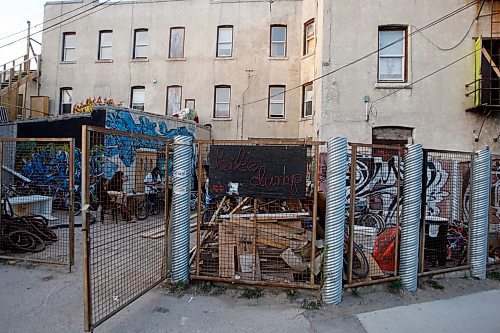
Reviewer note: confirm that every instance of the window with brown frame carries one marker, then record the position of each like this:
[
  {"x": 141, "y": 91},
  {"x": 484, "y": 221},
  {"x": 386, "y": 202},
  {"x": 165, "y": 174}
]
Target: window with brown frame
[
  {"x": 307, "y": 99},
  {"x": 222, "y": 102},
  {"x": 140, "y": 44},
  {"x": 69, "y": 46},
  {"x": 176, "y": 49},
  {"x": 392, "y": 54},
  {"x": 276, "y": 107},
  {"x": 309, "y": 37},
  {"x": 138, "y": 97},
  {"x": 225, "y": 41}
]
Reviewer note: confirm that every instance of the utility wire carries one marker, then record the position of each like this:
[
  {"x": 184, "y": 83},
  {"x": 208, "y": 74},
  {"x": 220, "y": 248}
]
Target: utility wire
[
  {"x": 52, "y": 19},
  {"x": 65, "y": 20},
  {"x": 433, "y": 23}
]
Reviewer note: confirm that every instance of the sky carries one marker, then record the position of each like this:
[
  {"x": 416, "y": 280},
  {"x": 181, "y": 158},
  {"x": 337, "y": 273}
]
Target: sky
[{"x": 13, "y": 16}]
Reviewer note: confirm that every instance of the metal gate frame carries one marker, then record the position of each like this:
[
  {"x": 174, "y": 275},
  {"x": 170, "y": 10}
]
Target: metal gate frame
[
  {"x": 315, "y": 149},
  {"x": 71, "y": 175},
  {"x": 87, "y": 130},
  {"x": 495, "y": 158},
  {"x": 421, "y": 268}
]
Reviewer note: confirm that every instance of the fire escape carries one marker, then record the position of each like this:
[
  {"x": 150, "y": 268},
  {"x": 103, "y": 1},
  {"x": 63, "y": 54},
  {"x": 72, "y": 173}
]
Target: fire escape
[{"x": 486, "y": 82}]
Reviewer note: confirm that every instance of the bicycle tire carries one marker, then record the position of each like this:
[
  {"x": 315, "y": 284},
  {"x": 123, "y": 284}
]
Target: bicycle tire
[
  {"x": 373, "y": 221},
  {"x": 42, "y": 231},
  {"x": 77, "y": 208},
  {"x": 360, "y": 266},
  {"x": 142, "y": 212},
  {"x": 26, "y": 241}
]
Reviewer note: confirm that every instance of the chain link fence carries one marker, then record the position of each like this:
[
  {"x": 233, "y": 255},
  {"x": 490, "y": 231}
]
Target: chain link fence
[
  {"x": 37, "y": 183},
  {"x": 494, "y": 221}
]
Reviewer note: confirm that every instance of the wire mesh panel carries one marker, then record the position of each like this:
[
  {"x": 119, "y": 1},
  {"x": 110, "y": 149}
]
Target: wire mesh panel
[
  {"x": 445, "y": 210},
  {"x": 125, "y": 191},
  {"x": 494, "y": 221},
  {"x": 257, "y": 219},
  {"x": 373, "y": 192},
  {"x": 37, "y": 219}
]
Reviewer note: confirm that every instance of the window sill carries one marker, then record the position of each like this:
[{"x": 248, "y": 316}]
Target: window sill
[
  {"x": 139, "y": 60},
  {"x": 67, "y": 62},
  {"x": 306, "y": 118},
  {"x": 221, "y": 119},
  {"x": 104, "y": 61},
  {"x": 224, "y": 58},
  {"x": 176, "y": 59},
  {"x": 307, "y": 56},
  {"x": 276, "y": 120},
  {"x": 278, "y": 58},
  {"x": 392, "y": 85}
]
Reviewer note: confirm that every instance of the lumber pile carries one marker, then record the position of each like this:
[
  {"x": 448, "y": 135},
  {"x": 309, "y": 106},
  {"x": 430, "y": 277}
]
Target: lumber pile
[{"x": 260, "y": 246}]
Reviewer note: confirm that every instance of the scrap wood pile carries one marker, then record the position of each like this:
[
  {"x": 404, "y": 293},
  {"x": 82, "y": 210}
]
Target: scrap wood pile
[{"x": 275, "y": 244}]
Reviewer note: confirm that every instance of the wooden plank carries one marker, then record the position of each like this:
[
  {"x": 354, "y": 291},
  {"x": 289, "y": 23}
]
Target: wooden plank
[
  {"x": 149, "y": 233},
  {"x": 490, "y": 60},
  {"x": 263, "y": 216},
  {"x": 241, "y": 204},
  {"x": 227, "y": 242}
]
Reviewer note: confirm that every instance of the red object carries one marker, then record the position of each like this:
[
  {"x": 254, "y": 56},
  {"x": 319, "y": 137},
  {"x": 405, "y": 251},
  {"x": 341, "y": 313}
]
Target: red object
[{"x": 385, "y": 249}]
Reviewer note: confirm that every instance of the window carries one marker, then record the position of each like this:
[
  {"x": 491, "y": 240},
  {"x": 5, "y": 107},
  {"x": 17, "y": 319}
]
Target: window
[
  {"x": 140, "y": 44},
  {"x": 224, "y": 41},
  {"x": 276, "y": 102},
  {"x": 307, "y": 98},
  {"x": 105, "y": 45},
  {"x": 138, "y": 98},
  {"x": 174, "y": 98},
  {"x": 190, "y": 103},
  {"x": 69, "y": 41},
  {"x": 222, "y": 101},
  {"x": 278, "y": 41},
  {"x": 176, "y": 49},
  {"x": 309, "y": 37},
  {"x": 391, "y": 55},
  {"x": 66, "y": 100}
]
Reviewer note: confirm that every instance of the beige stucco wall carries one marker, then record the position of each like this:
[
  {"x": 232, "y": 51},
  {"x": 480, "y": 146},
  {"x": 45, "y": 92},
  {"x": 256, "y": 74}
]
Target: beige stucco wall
[
  {"x": 435, "y": 107},
  {"x": 249, "y": 72}
]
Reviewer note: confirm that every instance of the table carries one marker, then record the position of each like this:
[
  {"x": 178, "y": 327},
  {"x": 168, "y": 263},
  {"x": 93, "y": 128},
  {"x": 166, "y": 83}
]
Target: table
[
  {"x": 130, "y": 200},
  {"x": 33, "y": 205}
]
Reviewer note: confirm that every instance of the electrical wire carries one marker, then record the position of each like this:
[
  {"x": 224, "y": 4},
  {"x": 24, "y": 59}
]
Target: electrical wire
[
  {"x": 49, "y": 20},
  {"x": 57, "y": 25},
  {"x": 429, "y": 25}
]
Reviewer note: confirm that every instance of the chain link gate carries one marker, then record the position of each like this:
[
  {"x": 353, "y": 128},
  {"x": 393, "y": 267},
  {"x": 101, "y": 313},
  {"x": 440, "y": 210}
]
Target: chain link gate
[
  {"x": 37, "y": 178},
  {"x": 494, "y": 216},
  {"x": 125, "y": 182}
]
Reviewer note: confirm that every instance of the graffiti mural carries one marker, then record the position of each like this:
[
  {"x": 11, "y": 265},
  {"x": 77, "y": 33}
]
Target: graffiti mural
[
  {"x": 90, "y": 103},
  {"x": 495, "y": 193}
]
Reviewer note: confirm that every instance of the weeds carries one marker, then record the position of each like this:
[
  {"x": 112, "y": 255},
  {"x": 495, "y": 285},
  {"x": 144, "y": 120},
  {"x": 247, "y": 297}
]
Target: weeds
[
  {"x": 395, "y": 287},
  {"x": 209, "y": 288},
  {"x": 177, "y": 288},
  {"x": 435, "y": 284},
  {"x": 252, "y": 293},
  {"x": 355, "y": 292},
  {"x": 311, "y": 305},
  {"x": 292, "y": 294},
  {"x": 494, "y": 275}
]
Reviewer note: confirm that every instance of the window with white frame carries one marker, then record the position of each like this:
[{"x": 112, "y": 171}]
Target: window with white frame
[
  {"x": 392, "y": 54},
  {"x": 140, "y": 44},
  {"x": 307, "y": 99},
  {"x": 174, "y": 98},
  {"x": 222, "y": 101},
  {"x": 66, "y": 97},
  {"x": 176, "y": 49},
  {"x": 276, "y": 107},
  {"x": 278, "y": 41},
  {"x": 309, "y": 37},
  {"x": 105, "y": 45},
  {"x": 69, "y": 46},
  {"x": 138, "y": 97},
  {"x": 224, "y": 41}
]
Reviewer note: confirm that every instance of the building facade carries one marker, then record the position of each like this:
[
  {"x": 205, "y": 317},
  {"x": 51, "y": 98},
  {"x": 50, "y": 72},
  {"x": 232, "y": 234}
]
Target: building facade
[{"x": 372, "y": 71}]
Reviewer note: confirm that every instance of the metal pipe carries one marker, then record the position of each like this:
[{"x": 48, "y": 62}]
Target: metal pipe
[
  {"x": 255, "y": 283},
  {"x": 181, "y": 183},
  {"x": 410, "y": 219},
  {"x": 455, "y": 192},
  {"x": 335, "y": 220},
  {"x": 480, "y": 188}
]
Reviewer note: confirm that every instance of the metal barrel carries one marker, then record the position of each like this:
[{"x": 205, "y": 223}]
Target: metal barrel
[
  {"x": 335, "y": 219},
  {"x": 480, "y": 196},
  {"x": 410, "y": 216},
  {"x": 181, "y": 183}
]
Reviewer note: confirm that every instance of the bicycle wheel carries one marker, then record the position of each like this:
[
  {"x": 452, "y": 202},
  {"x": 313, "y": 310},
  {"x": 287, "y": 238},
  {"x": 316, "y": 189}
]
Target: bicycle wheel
[
  {"x": 77, "y": 208},
  {"x": 41, "y": 230},
  {"x": 373, "y": 221},
  {"x": 360, "y": 265},
  {"x": 25, "y": 241},
  {"x": 142, "y": 212}
]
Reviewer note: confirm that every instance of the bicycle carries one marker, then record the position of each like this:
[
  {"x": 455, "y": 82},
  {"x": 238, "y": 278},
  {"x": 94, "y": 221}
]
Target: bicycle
[{"x": 148, "y": 208}]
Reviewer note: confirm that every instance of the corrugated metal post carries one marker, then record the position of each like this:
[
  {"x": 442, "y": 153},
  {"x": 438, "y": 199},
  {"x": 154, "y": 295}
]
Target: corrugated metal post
[
  {"x": 410, "y": 219},
  {"x": 181, "y": 183},
  {"x": 335, "y": 219},
  {"x": 480, "y": 187}
]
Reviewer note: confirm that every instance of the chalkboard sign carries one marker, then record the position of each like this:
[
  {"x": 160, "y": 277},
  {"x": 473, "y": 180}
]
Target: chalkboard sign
[{"x": 264, "y": 171}]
